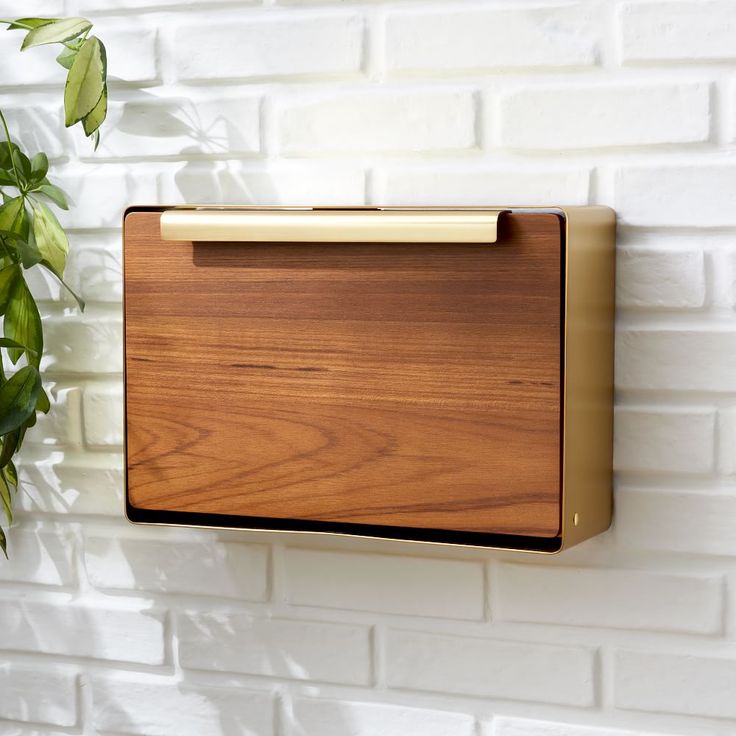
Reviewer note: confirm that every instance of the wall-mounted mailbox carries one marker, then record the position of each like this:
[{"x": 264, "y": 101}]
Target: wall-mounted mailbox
[{"x": 425, "y": 374}]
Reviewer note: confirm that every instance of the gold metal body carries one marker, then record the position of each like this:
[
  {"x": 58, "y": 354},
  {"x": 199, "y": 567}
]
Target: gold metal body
[{"x": 588, "y": 326}]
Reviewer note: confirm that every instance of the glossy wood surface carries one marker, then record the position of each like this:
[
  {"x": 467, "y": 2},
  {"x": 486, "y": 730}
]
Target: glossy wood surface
[{"x": 395, "y": 384}]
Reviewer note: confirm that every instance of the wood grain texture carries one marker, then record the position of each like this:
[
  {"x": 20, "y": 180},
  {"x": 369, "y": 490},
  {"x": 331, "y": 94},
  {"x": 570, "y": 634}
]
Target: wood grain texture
[{"x": 393, "y": 384}]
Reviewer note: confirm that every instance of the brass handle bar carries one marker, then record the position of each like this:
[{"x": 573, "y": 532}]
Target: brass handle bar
[{"x": 331, "y": 226}]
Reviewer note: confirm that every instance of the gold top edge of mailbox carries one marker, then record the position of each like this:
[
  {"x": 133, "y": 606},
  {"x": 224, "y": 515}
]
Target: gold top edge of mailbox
[{"x": 331, "y": 226}]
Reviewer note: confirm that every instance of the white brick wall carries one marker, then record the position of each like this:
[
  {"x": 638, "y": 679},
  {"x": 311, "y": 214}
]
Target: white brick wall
[{"x": 110, "y": 629}]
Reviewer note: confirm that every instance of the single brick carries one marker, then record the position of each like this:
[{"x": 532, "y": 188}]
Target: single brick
[
  {"x": 686, "y": 359},
  {"x": 700, "y": 523},
  {"x": 306, "y": 650},
  {"x": 39, "y": 554},
  {"x": 180, "y": 126},
  {"x": 47, "y": 695},
  {"x": 84, "y": 483},
  {"x": 88, "y": 343},
  {"x": 677, "y": 31},
  {"x": 604, "y": 115},
  {"x": 295, "y": 183},
  {"x": 672, "y": 683},
  {"x": 405, "y": 585},
  {"x": 136, "y": 704},
  {"x": 313, "y": 717},
  {"x": 660, "y": 278},
  {"x": 103, "y": 414},
  {"x": 378, "y": 121},
  {"x": 82, "y": 631},
  {"x": 425, "y": 40},
  {"x": 592, "y": 597},
  {"x": 299, "y": 47},
  {"x": 176, "y": 566},
  {"x": 490, "y": 668},
  {"x": 694, "y": 195},
  {"x": 469, "y": 186},
  {"x": 664, "y": 440}
]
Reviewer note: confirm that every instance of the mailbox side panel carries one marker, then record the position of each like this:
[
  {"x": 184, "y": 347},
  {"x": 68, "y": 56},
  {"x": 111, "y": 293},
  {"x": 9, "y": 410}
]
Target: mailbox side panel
[{"x": 589, "y": 362}]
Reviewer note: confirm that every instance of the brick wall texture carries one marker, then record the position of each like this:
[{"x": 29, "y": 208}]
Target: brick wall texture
[{"x": 111, "y": 629}]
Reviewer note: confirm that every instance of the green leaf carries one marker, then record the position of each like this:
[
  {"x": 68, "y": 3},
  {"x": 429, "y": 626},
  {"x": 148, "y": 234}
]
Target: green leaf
[
  {"x": 58, "y": 31},
  {"x": 18, "y": 398},
  {"x": 43, "y": 404},
  {"x": 11, "y": 474},
  {"x": 85, "y": 82},
  {"x": 11, "y": 442},
  {"x": 6, "y": 342},
  {"x": 29, "y": 23},
  {"x": 39, "y": 167},
  {"x": 12, "y": 214},
  {"x": 80, "y": 302},
  {"x": 92, "y": 122},
  {"x": 66, "y": 57},
  {"x": 3, "y": 543},
  {"x": 23, "y": 323},
  {"x": 6, "y": 178},
  {"x": 55, "y": 194},
  {"x": 5, "y": 497},
  {"x": 28, "y": 251},
  {"x": 7, "y": 282},
  {"x": 51, "y": 239}
]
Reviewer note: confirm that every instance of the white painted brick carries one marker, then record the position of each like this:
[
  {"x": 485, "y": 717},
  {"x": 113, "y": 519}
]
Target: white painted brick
[
  {"x": 235, "y": 183},
  {"x": 368, "y": 122},
  {"x": 604, "y": 115},
  {"x": 489, "y": 668},
  {"x": 38, "y": 128},
  {"x": 297, "y": 47},
  {"x": 94, "y": 267},
  {"x": 383, "y": 583},
  {"x": 81, "y": 484},
  {"x": 155, "y": 708},
  {"x": 700, "y": 523},
  {"x": 103, "y": 414},
  {"x": 727, "y": 440},
  {"x": 696, "y": 195},
  {"x": 526, "y": 727},
  {"x": 592, "y": 597},
  {"x": 686, "y": 684},
  {"x": 36, "y": 66},
  {"x": 302, "y": 650},
  {"x": 61, "y": 426},
  {"x": 202, "y": 568},
  {"x": 82, "y": 631},
  {"x": 38, "y": 695},
  {"x": 100, "y": 193},
  {"x": 41, "y": 555},
  {"x": 485, "y": 186},
  {"x": 660, "y": 278},
  {"x": 677, "y": 31},
  {"x": 86, "y": 343},
  {"x": 664, "y": 440},
  {"x": 131, "y": 55},
  {"x": 170, "y": 127},
  {"x": 489, "y": 39},
  {"x": 672, "y": 359},
  {"x": 339, "y": 718},
  {"x": 38, "y": 7}
]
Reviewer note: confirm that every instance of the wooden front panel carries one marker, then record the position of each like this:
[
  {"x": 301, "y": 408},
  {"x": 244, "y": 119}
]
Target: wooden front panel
[{"x": 385, "y": 384}]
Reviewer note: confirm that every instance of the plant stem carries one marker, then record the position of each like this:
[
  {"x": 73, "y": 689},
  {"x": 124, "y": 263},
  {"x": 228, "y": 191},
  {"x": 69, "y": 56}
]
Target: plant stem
[{"x": 10, "y": 150}]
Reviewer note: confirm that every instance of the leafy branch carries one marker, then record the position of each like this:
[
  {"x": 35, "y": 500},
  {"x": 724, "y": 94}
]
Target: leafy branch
[{"x": 30, "y": 234}]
